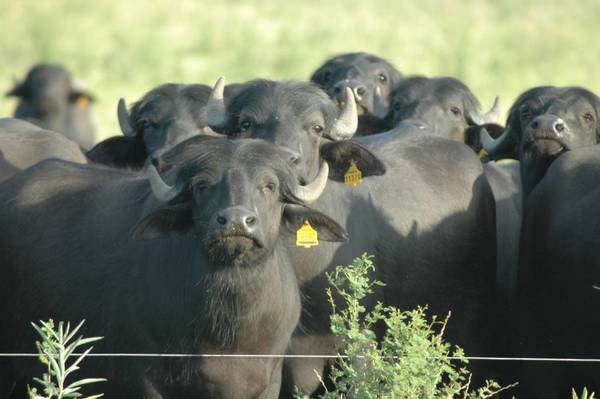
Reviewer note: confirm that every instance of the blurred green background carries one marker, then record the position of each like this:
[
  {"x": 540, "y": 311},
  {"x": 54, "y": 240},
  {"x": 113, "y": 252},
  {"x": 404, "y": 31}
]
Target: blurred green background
[{"x": 124, "y": 48}]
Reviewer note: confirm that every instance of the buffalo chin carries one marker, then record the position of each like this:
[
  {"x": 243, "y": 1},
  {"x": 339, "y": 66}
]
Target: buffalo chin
[
  {"x": 547, "y": 147},
  {"x": 234, "y": 250}
]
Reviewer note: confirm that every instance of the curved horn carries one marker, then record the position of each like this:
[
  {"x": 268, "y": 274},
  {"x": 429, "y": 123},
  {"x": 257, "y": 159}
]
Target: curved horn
[
  {"x": 347, "y": 122},
  {"x": 494, "y": 146},
  {"x": 161, "y": 190},
  {"x": 124, "y": 121},
  {"x": 311, "y": 192},
  {"x": 215, "y": 111},
  {"x": 493, "y": 115}
]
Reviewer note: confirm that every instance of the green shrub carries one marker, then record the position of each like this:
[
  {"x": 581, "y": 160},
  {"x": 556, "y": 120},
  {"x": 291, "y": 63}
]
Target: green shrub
[
  {"x": 584, "y": 394},
  {"x": 411, "y": 361},
  {"x": 55, "y": 348}
]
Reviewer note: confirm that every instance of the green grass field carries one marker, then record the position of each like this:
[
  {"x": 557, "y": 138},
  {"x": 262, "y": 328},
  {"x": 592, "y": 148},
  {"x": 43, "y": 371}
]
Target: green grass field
[{"x": 124, "y": 48}]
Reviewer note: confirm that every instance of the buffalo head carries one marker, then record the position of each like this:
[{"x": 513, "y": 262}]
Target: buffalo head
[
  {"x": 543, "y": 123},
  {"x": 443, "y": 106},
  {"x": 296, "y": 115},
  {"x": 370, "y": 79},
  {"x": 49, "y": 98},
  {"x": 166, "y": 116},
  {"x": 236, "y": 196}
]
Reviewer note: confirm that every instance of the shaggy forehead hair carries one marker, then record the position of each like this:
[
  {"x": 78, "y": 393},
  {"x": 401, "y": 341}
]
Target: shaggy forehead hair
[
  {"x": 265, "y": 96},
  {"x": 350, "y": 57},
  {"x": 161, "y": 100},
  {"x": 48, "y": 71},
  {"x": 544, "y": 94},
  {"x": 210, "y": 156},
  {"x": 421, "y": 86}
]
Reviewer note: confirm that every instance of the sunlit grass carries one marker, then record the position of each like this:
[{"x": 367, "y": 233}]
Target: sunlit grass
[{"x": 124, "y": 48}]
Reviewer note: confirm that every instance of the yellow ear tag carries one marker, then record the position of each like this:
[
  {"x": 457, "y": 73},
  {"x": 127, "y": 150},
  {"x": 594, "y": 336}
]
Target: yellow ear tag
[
  {"x": 306, "y": 236},
  {"x": 482, "y": 153},
  {"x": 353, "y": 176},
  {"x": 82, "y": 102}
]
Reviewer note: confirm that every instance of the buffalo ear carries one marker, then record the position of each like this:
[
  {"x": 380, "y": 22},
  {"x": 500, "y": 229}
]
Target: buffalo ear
[
  {"x": 17, "y": 91},
  {"x": 163, "y": 222},
  {"x": 119, "y": 152},
  {"x": 339, "y": 155},
  {"x": 328, "y": 229},
  {"x": 81, "y": 99},
  {"x": 473, "y": 134}
]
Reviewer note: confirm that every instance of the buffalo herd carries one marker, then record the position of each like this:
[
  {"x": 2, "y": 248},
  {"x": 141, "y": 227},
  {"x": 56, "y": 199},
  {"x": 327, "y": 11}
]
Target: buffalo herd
[{"x": 180, "y": 235}]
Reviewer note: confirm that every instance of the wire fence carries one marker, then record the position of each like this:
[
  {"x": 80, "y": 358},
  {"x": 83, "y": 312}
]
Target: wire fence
[{"x": 300, "y": 356}]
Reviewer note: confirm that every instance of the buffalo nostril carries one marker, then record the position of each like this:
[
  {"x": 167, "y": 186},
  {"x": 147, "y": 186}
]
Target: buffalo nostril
[
  {"x": 559, "y": 127},
  {"x": 535, "y": 125},
  {"x": 294, "y": 160},
  {"x": 250, "y": 220},
  {"x": 360, "y": 91},
  {"x": 221, "y": 220}
]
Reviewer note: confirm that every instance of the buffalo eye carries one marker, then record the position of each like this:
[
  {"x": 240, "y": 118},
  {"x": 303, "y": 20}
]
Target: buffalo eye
[
  {"x": 145, "y": 124},
  {"x": 318, "y": 129},
  {"x": 455, "y": 111},
  {"x": 382, "y": 78},
  {"x": 200, "y": 187},
  {"x": 588, "y": 117},
  {"x": 326, "y": 77},
  {"x": 269, "y": 188},
  {"x": 245, "y": 125}
]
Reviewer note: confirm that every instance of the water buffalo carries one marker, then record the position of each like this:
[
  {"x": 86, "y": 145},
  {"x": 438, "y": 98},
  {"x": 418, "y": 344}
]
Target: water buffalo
[
  {"x": 443, "y": 106},
  {"x": 49, "y": 98},
  {"x": 23, "y": 144},
  {"x": 429, "y": 220},
  {"x": 196, "y": 265},
  {"x": 543, "y": 123},
  {"x": 559, "y": 277},
  {"x": 371, "y": 80},
  {"x": 163, "y": 117}
]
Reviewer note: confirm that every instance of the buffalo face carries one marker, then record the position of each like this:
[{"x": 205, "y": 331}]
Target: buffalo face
[
  {"x": 49, "y": 98},
  {"x": 295, "y": 115},
  {"x": 370, "y": 79},
  {"x": 235, "y": 197},
  {"x": 545, "y": 122},
  {"x": 166, "y": 116},
  {"x": 443, "y": 106}
]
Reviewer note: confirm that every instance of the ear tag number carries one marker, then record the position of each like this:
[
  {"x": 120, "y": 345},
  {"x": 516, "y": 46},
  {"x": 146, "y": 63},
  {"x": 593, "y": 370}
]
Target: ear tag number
[
  {"x": 306, "y": 236},
  {"x": 353, "y": 176}
]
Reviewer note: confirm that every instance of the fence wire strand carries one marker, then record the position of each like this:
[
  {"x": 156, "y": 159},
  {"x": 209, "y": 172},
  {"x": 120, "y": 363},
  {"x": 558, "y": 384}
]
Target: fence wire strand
[{"x": 270, "y": 356}]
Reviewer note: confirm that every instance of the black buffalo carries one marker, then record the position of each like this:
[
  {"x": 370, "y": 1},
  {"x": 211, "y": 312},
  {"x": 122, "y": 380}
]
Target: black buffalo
[
  {"x": 559, "y": 278},
  {"x": 197, "y": 266},
  {"x": 302, "y": 113},
  {"x": 23, "y": 144},
  {"x": 371, "y": 80},
  {"x": 162, "y": 118},
  {"x": 429, "y": 220},
  {"x": 543, "y": 123},
  {"x": 49, "y": 98},
  {"x": 443, "y": 106}
]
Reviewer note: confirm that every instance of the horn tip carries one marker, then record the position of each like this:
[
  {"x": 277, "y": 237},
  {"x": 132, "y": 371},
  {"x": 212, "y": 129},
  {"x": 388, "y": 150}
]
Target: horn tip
[{"x": 486, "y": 140}]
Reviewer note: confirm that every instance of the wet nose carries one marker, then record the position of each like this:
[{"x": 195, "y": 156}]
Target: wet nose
[
  {"x": 549, "y": 123},
  {"x": 357, "y": 89},
  {"x": 237, "y": 217}
]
